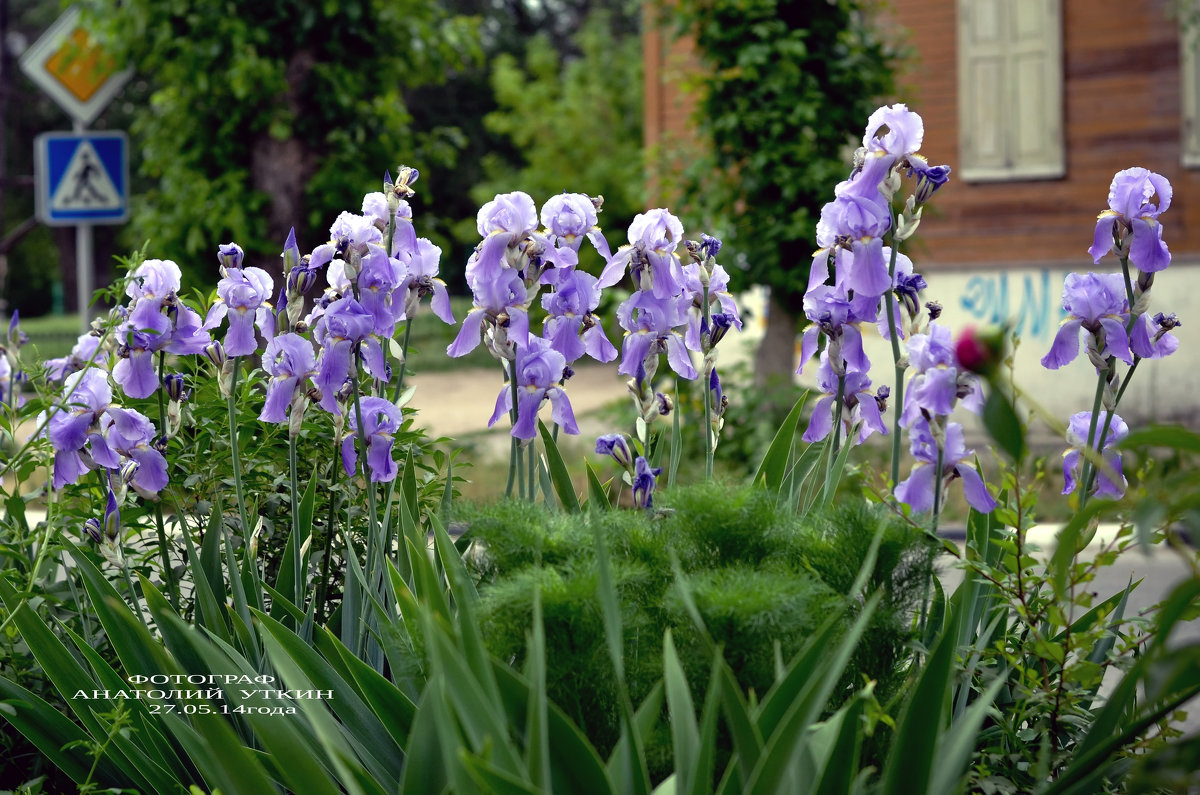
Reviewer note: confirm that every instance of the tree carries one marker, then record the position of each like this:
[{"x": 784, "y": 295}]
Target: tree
[
  {"x": 509, "y": 30},
  {"x": 576, "y": 123},
  {"x": 784, "y": 84},
  {"x": 261, "y": 116}
]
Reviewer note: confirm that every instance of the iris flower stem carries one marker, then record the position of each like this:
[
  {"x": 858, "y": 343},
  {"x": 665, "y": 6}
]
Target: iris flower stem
[
  {"x": 404, "y": 361},
  {"x": 372, "y": 512},
  {"x": 1128, "y": 286},
  {"x": 168, "y": 574},
  {"x": 676, "y": 441},
  {"x": 105, "y": 486},
  {"x": 705, "y": 336},
  {"x": 137, "y": 603},
  {"x": 330, "y": 527},
  {"x": 838, "y": 403},
  {"x": 1088, "y": 468},
  {"x": 898, "y": 392},
  {"x": 293, "y": 478},
  {"x": 236, "y": 452},
  {"x": 938, "y": 476},
  {"x": 531, "y": 460},
  {"x": 514, "y": 454}
]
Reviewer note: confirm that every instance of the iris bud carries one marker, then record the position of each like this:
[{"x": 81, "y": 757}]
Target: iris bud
[{"x": 173, "y": 383}]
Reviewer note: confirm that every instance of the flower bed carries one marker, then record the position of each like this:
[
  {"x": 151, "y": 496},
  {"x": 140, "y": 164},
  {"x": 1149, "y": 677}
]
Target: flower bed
[{"x": 233, "y": 586}]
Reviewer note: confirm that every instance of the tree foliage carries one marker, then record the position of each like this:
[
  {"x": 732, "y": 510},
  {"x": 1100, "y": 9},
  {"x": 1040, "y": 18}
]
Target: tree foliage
[
  {"x": 783, "y": 81},
  {"x": 260, "y": 116},
  {"x": 576, "y": 121}
]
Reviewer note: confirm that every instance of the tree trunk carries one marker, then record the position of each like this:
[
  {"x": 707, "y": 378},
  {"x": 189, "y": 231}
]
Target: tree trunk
[
  {"x": 775, "y": 359},
  {"x": 280, "y": 168}
]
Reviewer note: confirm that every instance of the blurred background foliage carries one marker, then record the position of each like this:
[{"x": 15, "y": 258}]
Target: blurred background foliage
[{"x": 248, "y": 119}]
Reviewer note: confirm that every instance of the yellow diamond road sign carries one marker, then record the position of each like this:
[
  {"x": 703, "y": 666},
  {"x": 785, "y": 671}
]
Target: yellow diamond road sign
[{"x": 70, "y": 66}]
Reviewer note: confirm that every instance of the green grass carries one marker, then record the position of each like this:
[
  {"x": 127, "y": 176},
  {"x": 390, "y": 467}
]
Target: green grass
[
  {"x": 430, "y": 336},
  {"x": 52, "y": 335}
]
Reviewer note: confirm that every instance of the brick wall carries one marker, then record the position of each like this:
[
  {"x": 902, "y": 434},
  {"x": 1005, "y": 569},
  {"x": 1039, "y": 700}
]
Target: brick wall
[
  {"x": 1122, "y": 108},
  {"x": 668, "y": 61}
]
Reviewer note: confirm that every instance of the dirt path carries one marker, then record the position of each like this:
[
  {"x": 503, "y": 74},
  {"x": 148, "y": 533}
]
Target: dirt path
[{"x": 460, "y": 402}]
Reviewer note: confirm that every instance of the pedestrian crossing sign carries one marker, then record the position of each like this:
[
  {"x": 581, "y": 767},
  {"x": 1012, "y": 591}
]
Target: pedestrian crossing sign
[{"x": 82, "y": 178}]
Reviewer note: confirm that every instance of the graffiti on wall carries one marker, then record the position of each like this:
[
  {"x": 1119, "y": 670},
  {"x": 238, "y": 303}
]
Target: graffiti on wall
[{"x": 1030, "y": 302}]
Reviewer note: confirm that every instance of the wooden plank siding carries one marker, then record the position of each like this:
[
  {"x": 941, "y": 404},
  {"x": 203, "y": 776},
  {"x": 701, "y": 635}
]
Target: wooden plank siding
[{"x": 1122, "y": 108}]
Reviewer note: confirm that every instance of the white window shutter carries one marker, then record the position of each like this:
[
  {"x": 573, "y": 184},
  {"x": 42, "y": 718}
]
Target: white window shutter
[
  {"x": 1189, "y": 60},
  {"x": 1010, "y": 89}
]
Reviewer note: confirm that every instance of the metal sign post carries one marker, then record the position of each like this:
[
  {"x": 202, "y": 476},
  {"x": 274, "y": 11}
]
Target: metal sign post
[{"x": 83, "y": 179}]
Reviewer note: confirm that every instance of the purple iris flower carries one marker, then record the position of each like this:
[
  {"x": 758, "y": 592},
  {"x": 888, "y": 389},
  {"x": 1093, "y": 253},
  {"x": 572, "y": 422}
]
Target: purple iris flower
[
  {"x": 1077, "y": 434},
  {"x": 501, "y": 302},
  {"x": 617, "y": 446},
  {"x": 857, "y": 399},
  {"x": 16, "y": 337},
  {"x": 343, "y": 325},
  {"x": 112, "y": 516},
  {"x": 718, "y": 290},
  {"x": 715, "y": 392},
  {"x": 651, "y": 325},
  {"x": 539, "y": 371},
  {"x": 154, "y": 280},
  {"x": 134, "y": 370},
  {"x": 85, "y": 352},
  {"x": 131, "y": 434},
  {"x": 108, "y": 435},
  {"x": 380, "y": 420},
  {"x": 1096, "y": 303},
  {"x": 572, "y": 327},
  {"x": 504, "y": 222},
  {"x": 653, "y": 238},
  {"x": 929, "y": 178},
  {"x": 644, "y": 481},
  {"x": 378, "y": 279},
  {"x": 291, "y": 252},
  {"x": 1133, "y": 219},
  {"x": 938, "y": 382},
  {"x": 836, "y": 316},
  {"x": 859, "y": 264},
  {"x": 905, "y": 292},
  {"x": 904, "y": 133},
  {"x": 571, "y": 217},
  {"x": 242, "y": 295},
  {"x": 404, "y": 234},
  {"x": 375, "y": 207},
  {"x": 1149, "y": 338},
  {"x": 421, "y": 280},
  {"x": 918, "y": 489},
  {"x": 288, "y": 359},
  {"x": 230, "y": 255},
  {"x": 350, "y": 235},
  {"x": 156, "y": 320},
  {"x": 76, "y": 426},
  {"x": 710, "y": 246}
]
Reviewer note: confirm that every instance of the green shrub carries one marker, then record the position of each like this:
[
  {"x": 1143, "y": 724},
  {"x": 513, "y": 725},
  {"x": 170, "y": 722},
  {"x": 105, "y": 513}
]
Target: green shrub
[{"x": 762, "y": 578}]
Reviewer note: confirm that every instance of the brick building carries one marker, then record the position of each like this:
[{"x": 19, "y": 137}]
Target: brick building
[{"x": 1035, "y": 104}]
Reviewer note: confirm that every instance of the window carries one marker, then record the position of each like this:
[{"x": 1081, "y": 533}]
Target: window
[
  {"x": 1010, "y": 89},
  {"x": 1189, "y": 61}
]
